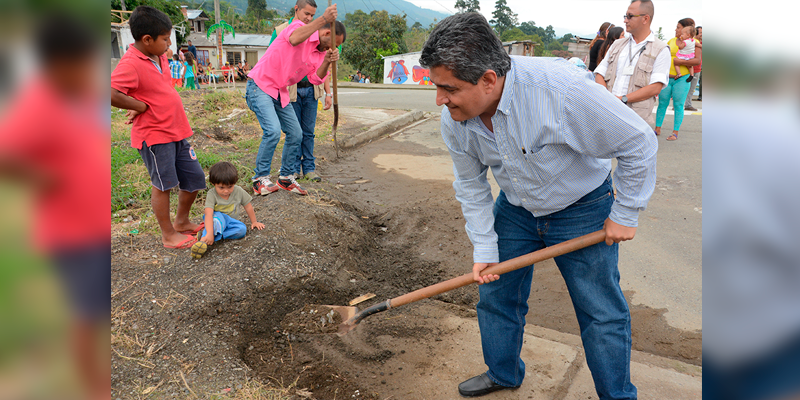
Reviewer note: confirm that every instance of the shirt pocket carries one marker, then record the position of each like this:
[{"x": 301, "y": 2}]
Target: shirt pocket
[
  {"x": 645, "y": 72},
  {"x": 547, "y": 161}
]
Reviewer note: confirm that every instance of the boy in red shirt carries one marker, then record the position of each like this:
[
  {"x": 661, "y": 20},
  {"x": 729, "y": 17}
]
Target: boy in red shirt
[{"x": 141, "y": 83}]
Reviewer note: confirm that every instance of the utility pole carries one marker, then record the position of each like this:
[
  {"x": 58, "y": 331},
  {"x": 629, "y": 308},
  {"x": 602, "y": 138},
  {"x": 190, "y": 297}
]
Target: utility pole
[{"x": 219, "y": 35}]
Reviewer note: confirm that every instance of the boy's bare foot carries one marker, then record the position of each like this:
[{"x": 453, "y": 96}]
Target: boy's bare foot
[
  {"x": 177, "y": 241},
  {"x": 188, "y": 228}
]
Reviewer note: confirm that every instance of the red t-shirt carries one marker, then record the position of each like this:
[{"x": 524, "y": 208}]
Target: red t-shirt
[
  {"x": 165, "y": 120},
  {"x": 70, "y": 148}
]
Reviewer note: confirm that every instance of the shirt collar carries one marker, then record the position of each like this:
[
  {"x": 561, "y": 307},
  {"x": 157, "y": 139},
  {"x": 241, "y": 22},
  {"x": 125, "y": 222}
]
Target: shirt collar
[
  {"x": 508, "y": 90},
  {"x": 650, "y": 38},
  {"x": 141, "y": 55}
]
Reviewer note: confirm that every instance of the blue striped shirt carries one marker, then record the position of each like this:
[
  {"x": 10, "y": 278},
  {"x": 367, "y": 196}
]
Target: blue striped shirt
[
  {"x": 555, "y": 133},
  {"x": 175, "y": 68}
]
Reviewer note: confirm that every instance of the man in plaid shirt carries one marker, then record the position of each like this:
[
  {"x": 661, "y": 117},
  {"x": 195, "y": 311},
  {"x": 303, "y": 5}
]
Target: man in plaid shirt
[{"x": 176, "y": 69}]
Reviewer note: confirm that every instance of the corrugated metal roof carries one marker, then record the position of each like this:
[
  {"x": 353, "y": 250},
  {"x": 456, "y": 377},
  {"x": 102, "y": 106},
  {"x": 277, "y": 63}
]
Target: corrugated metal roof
[
  {"x": 245, "y": 39},
  {"x": 193, "y": 14},
  {"x": 199, "y": 40}
]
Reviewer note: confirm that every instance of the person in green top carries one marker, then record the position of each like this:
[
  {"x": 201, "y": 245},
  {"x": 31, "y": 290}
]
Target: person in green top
[{"x": 304, "y": 97}]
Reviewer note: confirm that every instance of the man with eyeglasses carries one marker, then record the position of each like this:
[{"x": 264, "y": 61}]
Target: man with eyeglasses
[{"x": 636, "y": 68}]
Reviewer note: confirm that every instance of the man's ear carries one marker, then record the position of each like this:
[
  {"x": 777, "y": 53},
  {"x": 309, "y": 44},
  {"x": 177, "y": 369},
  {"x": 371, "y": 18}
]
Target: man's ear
[
  {"x": 147, "y": 39},
  {"x": 489, "y": 80}
]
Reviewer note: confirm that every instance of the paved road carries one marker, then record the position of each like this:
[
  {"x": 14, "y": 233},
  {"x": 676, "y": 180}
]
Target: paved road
[
  {"x": 407, "y": 99},
  {"x": 663, "y": 265}
]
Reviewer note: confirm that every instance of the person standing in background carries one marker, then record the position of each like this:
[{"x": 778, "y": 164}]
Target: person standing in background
[
  {"x": 635, "y": 70},
  {"x": 596, "y": 44},
  {"x": 697, "y": 74},
  {"x": 679, "y": 82},
  {"x": 192, "y": 49},
  {"x": 304, "y": 97}
]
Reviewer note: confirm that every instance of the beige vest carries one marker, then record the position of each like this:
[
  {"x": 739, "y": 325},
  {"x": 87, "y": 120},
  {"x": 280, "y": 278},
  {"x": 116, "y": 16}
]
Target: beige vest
[
  {"x": 319, "y": 90},
  {"x": 640, "y": 77}
]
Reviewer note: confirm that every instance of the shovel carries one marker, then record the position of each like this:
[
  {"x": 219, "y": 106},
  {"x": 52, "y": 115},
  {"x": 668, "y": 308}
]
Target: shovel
[{"x": 351, "y": 316}]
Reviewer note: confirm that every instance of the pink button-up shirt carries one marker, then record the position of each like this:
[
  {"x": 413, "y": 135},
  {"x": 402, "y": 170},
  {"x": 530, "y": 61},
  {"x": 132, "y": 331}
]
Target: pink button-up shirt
[{"x": 284, "y": 65}]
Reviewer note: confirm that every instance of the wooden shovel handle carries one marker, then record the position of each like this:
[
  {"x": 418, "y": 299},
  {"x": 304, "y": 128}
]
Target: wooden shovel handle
[{"x": 501, "y": 268}]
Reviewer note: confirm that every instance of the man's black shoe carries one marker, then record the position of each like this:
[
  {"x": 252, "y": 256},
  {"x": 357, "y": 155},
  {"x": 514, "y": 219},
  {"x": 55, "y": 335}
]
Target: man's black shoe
[{"x": 479, "y": 386}]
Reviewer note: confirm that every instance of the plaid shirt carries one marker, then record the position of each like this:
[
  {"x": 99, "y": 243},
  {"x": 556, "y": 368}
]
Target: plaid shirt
[{"x": 175, "y": 69}]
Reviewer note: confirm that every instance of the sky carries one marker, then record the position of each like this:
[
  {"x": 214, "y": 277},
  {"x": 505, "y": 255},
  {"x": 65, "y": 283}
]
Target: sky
[{"x": 582, "y": 17}]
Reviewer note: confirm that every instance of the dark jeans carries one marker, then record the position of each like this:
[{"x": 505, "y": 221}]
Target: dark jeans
[
  {"x": 592, "y": 277},
  {"x": 306, "y": 109}
]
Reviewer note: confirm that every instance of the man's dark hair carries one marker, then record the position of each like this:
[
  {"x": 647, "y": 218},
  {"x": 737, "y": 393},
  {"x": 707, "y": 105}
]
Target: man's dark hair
[
  {"x": 146, "y": 20},
  {"x": 302, "y": 3},
  {"x": 224, "y": 173},
  {"x": 339, "y": 30},
  {"x": 64, "y": 38},
  {"x": 466, "y": 45},
  {"x": 175, "y": 57}
]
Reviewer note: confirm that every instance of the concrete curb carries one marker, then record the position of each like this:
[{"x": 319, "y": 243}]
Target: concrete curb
[
  {"x": 383, "y": 128},
  {"x": 384, "y": 86}
]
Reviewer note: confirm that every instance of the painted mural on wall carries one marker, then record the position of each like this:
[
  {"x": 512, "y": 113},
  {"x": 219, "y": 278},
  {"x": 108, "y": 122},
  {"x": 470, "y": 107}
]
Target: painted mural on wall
[{"x": 396, "y": 70}]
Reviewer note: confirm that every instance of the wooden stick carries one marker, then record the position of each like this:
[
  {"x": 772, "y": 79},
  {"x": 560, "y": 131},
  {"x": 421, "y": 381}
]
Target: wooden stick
[{"x": 335, "y": 88}]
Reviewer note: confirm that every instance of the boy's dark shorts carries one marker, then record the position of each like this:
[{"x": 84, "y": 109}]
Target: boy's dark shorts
[
  {"x": 86, "y": 274},
  {"x": 173, "y": 164}
]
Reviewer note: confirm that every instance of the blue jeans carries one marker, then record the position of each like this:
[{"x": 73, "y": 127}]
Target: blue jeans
[
  {"x": 677, "y": 90},
  {"x": 273, "y": 119},
  {"x": 592, "y": 277},
  {"x": 229, "y": 227},
  {"x": 306, "y": 109}
]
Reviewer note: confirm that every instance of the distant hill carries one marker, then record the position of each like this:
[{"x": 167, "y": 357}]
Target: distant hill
[{"x": 413, "y": 13}]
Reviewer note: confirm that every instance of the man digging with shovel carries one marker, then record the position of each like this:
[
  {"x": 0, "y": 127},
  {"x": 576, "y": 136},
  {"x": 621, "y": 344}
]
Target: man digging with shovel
[{"x": 548, "y": 132}]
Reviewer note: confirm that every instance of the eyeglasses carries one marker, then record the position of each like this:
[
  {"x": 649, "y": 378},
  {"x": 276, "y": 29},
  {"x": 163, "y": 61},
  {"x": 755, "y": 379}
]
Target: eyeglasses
[{"x": 630, "y": 16}]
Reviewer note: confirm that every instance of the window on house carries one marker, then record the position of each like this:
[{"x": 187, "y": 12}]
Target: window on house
[
  {"x": 202, "y": 56},
  {"x": 234, "y": 57}
]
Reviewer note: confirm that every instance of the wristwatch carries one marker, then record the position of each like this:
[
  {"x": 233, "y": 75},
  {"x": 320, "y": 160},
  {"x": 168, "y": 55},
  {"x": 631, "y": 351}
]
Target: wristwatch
[
  {"x": 624, "y": 99},
  {"x": 329, "y": 94}
]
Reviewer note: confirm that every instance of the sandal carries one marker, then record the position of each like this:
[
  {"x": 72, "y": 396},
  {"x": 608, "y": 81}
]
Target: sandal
[
  {"x": 185, "y": 244},
  {"x": 674, "y": 136}
]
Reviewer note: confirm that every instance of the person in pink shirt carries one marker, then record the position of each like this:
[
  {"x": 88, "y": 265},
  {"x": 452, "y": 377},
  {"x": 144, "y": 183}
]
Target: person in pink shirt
[{"x": 300, "y": 50}]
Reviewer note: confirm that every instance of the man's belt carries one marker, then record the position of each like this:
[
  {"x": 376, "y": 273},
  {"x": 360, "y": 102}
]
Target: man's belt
[{"x": 304, "y": 84}]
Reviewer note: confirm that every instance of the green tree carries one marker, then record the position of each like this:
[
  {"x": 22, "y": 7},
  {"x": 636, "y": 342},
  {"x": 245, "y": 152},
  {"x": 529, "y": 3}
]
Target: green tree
[
  {"x": 416, "y": 37},
  {"x": 502, "y": 17},
  {"x": 549, "y": 34},
  {"x": 529, "y": 27},
  {"x": 555, "y": 45},
  {"x": 371, "y": 37},
  {"x": 659, "y": 34},
  {"x": 513, "y": 34},
  {"x": 566, "y": 38},
  {"x": 257, "y": 8},
  {"x": 465, "y": 6},
  {"x": 169, "y": 7}
]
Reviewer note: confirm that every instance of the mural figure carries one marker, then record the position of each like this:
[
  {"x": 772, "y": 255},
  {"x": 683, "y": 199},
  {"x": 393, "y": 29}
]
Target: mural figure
[
  {"x": 421, "y": 75},
  {"x": 399, "y": 73}
]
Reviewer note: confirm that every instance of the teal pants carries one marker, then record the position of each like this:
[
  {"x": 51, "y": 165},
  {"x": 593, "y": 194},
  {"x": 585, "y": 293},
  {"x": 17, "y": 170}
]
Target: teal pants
[{"x": 677, "y": 89}]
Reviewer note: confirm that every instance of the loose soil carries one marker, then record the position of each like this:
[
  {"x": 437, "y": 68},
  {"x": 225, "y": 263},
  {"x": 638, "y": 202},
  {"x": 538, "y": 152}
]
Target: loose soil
[{"x": 250, "y": 309}]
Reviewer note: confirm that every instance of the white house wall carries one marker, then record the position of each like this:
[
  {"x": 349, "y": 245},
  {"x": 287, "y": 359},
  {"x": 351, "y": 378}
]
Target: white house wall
[
  {"x": 404, "y": 69},
  {"x": 126, "y": 40}
]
